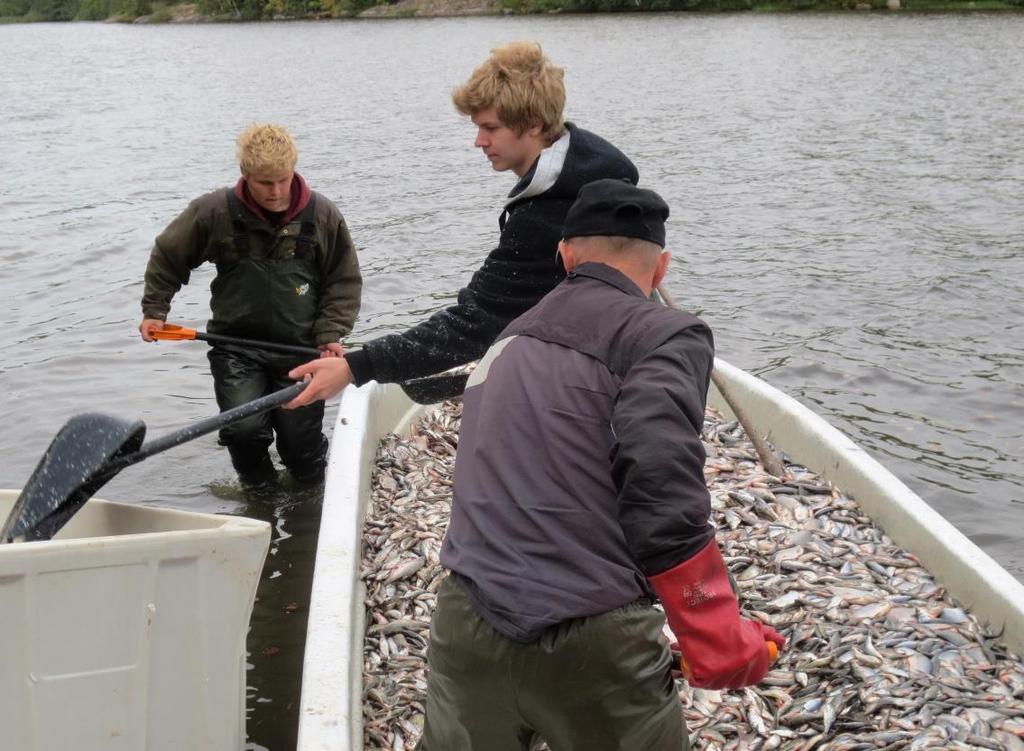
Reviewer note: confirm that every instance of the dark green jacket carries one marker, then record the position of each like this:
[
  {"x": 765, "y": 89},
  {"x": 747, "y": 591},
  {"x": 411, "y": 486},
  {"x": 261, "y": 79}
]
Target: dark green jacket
[{"x": 298, "y": 283}]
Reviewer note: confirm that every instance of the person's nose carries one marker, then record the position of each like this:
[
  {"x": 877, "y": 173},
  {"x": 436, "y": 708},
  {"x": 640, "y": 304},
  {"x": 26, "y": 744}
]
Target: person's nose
[{"x": 481, "y": 139}]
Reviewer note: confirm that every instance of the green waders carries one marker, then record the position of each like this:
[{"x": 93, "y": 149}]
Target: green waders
[
  {"x": 591, "y": 684},
  {"x": 239, "y": 376},
  {"x": 266, "y": 288}
]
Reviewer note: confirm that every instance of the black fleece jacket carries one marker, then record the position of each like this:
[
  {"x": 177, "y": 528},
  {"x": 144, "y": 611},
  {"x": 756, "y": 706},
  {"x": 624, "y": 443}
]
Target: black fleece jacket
[{"x": 514, "y": 276}]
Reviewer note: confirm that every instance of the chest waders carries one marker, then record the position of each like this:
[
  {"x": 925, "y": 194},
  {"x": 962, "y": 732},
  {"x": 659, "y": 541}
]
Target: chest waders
[{"x": 267, "y": 287}]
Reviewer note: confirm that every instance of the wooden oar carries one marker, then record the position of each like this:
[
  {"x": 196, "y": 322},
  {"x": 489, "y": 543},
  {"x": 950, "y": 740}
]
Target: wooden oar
[
  {"x": 769, "y": 459},
  {"x": 90, "y": 449},
  {"x": 429, "y": 390}
]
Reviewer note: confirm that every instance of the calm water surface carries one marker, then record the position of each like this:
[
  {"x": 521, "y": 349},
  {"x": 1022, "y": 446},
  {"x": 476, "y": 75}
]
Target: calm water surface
[{"x": 846, "y": 215}]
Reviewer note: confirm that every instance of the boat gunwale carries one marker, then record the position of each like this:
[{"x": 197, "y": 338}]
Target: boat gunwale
[
  {"x": 968, "y": 573},
  {"x": 331, "y": 702}
]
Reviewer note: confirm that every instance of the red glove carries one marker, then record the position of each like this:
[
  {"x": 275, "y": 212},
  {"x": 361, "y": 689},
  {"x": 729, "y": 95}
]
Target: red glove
[{"x": 721, "y": 649}]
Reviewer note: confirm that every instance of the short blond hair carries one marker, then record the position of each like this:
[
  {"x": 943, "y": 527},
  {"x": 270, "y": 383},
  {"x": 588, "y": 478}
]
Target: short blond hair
[
  {"x": 521, "y": 84},
  {"x": 265, "y": 148}
]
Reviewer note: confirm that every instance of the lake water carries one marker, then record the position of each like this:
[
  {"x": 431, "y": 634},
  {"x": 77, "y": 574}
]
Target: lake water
[{"x": 846, "y": 214}]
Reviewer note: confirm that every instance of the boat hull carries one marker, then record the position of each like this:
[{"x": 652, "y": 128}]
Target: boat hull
[{"x": 331, "y": 704}]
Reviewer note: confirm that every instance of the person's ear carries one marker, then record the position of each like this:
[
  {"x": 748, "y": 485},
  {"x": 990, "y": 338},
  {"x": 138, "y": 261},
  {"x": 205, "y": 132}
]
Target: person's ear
[
  {"x": 568, "y": 256},
  {"x": 662, "y": 268},
  {"x": 535, "y": 129}
]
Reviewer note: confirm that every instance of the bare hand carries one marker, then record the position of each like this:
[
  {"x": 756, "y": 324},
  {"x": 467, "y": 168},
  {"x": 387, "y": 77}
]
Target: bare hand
[
  {"x": 148, "y": 326},
  {"x": 329, "y": 376},
  {"x": 334, "y": 349}
]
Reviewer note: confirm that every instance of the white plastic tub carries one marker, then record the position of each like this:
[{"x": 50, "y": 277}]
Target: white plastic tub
[{"x": 127, "y": 630}]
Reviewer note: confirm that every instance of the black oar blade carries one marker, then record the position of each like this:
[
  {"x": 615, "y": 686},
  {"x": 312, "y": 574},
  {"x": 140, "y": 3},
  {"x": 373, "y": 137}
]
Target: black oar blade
[
  {"x": 72, "y": 469},
  {"x": 434, "y": 389}
]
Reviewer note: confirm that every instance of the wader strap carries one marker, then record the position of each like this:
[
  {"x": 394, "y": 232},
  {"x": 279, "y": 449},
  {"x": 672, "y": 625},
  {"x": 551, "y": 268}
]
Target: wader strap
[
  {"x": 307, "y": 232},
  {"x": 239, "y": 233}
]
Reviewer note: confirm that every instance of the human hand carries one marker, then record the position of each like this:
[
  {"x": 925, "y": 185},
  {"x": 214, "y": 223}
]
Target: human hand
[
  {"x": 327, "y": 377},
  {"x": 148, "y": 326},
  {"x": 680, "y": 668},
  {"x": 774, "y": 641},
  {"x": 332, "y": 349}
]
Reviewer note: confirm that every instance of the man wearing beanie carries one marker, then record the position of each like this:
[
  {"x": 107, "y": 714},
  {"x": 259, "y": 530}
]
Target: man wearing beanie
[{"x": 579, "y": 493}]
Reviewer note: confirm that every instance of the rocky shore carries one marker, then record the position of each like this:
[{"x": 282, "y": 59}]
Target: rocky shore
[
  {"x": 189, "y": 13},
  {"x": 160, "y": 12},
  {"x": 433, "y": 9}
]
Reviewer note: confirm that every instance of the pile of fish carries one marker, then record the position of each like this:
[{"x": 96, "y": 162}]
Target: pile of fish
[{"x": 878, "y": 656}]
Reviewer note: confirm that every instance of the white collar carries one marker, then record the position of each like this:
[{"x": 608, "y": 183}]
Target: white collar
[{"x": 549, "y": 167}]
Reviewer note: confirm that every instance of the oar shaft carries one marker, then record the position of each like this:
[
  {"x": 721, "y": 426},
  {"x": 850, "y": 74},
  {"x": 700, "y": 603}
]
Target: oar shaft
[
  {"x": 765, "y": 453},
  {"x": 208, "y": 425},
  {"x": 426, "y": 390},
  {"x": 289, "y": 349}
]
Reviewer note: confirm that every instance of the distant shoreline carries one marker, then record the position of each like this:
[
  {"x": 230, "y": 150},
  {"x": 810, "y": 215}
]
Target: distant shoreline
[{"x": 156, "y": 11}]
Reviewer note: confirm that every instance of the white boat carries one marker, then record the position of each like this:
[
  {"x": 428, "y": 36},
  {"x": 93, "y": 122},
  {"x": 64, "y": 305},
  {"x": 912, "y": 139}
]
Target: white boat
[
  {"x": 127, "y": 630},
  {"x": 330, "y": 717}
]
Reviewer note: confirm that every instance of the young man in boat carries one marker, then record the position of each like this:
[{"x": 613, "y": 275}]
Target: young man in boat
[
  {"x": 287, "y": 272},
  {"x": 516, "y": 100},
  {"x": 579, "y": 494}
]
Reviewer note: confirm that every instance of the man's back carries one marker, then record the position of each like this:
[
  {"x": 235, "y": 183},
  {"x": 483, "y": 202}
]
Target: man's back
[{"x": 542, "y": 546}]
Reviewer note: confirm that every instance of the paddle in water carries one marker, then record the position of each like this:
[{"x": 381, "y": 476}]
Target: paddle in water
[{"x": 89, "y": 450}]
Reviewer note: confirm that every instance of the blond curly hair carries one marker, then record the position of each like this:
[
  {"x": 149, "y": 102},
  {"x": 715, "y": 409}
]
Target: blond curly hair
[
  {"x": 521, "y": 84},
  {"x": 265, "y": 148}
]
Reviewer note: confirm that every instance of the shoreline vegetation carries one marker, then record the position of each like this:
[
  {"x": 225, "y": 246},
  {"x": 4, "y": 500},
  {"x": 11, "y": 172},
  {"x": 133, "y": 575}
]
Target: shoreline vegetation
[{"x": 214, "y": 11}]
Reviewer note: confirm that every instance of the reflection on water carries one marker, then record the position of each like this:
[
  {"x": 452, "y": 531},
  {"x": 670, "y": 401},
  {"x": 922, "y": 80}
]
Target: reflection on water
[
  {"x": 845, "y": 214},
  {"x": 278, "y": 625}
]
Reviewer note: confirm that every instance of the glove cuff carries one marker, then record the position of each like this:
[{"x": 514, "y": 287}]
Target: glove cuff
[{"x": 720, "y": 649}]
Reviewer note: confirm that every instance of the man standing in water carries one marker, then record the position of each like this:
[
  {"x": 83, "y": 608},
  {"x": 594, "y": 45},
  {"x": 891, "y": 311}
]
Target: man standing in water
[
  {"x": 568, "y": 513},
  {"x": 516, "y": 101},
  {"x": 287, "y": 272}
]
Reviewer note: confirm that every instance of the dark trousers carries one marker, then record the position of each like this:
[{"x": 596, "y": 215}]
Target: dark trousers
[
  {"x": 239, "y": 376},
  {"x": 591, "y": 684}
]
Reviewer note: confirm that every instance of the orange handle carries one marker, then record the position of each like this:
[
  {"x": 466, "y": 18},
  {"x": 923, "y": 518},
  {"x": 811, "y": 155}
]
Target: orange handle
[{"x": 173, "y": 333}]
